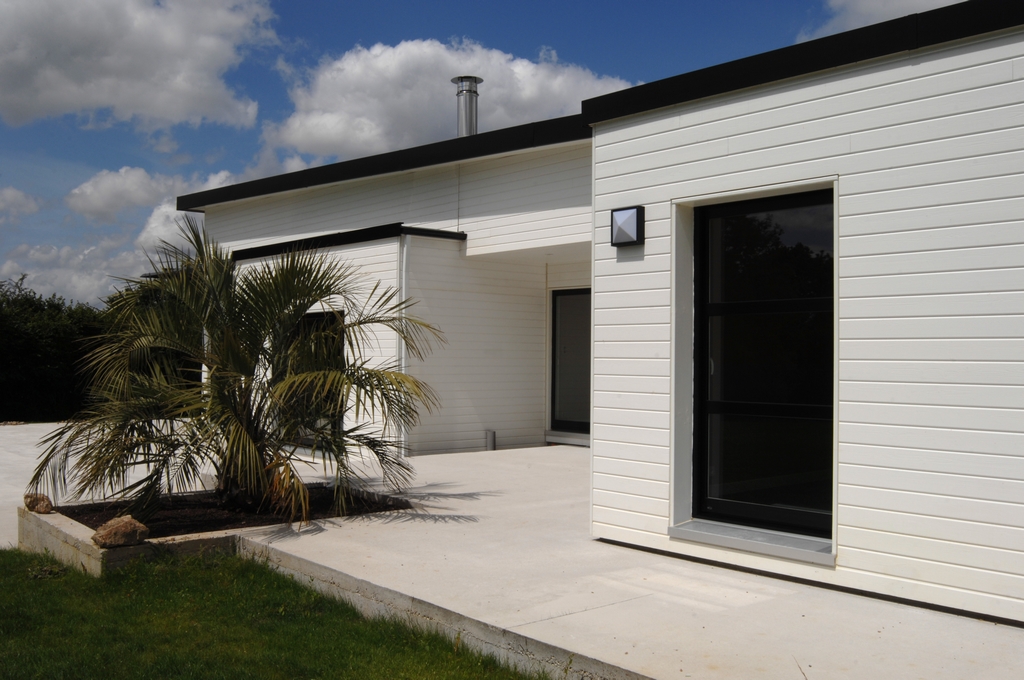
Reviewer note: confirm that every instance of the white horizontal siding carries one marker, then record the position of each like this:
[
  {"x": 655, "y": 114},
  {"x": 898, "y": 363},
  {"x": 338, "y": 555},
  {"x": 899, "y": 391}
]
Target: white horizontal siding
[
  {"x": 537, "y": 199},
  {"x": 999, "y": 234},
  {"x": 980, "y": 465},
  {"x": 373, "y": 263},
  {"x": 927, "y": 152},
  {"x": 1008, "y": 326},
  {"x": 631, "y": 503},
  {"x": 939, "y": 394},
  {"x": 491, "y": 374},
  {"x": 421, "y": 198},
  {"x": 569, "y": 274},
  {"x": 634, "y": 452},
  {"x": 901, "y": 436},
  {"x": 624, "y": 402},
  {"x": 915, "y": 370},
  {"x": 956, "y": 282},
  {"x": 951, "y": 260},
  {"x": 955, "y": 531}
]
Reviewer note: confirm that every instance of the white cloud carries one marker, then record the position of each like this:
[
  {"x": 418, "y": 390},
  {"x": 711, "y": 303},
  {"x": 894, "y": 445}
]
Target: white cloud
[
  {"x": 90, "y": 273},
  {"x": 390, "y": 97},
  {"x": 157, "y": 63},
  {"x": 162, "y": 223},
  {"x": 107, "y": 193},
  {"x": 367, "y": 101},
  {"x": 14, "y": 202},
  {"x": 83, "y": 274},
  {"x": 850, "y": 14}
]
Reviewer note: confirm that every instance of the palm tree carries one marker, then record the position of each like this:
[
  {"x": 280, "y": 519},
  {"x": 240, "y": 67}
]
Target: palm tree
[{"x": 208, "y": 363}]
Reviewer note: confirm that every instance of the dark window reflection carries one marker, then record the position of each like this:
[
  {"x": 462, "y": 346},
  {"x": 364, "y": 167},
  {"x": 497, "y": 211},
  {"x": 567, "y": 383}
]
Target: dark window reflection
[
  {"x": 774, "y": 254},
  {"x": 765, "y": 312},
  {"x": 782, "y": 462},
  {"x": 778, "y": 358},
  {"x": 570, "y": 391}
]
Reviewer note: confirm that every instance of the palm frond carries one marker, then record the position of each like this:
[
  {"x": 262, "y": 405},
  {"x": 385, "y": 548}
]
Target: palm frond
[{"x": 207, "y": 363}]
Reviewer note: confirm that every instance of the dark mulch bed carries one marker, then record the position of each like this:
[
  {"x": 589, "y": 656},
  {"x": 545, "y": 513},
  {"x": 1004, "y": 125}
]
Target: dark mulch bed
[{"x": 199, "y": 512}]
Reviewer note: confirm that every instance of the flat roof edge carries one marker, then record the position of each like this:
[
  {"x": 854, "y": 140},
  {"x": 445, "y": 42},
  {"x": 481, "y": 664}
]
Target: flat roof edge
[
  {"x": 915, "y": 31},
  {"x": 343, "y": 238},
  {"x": 506, "y": 140}
]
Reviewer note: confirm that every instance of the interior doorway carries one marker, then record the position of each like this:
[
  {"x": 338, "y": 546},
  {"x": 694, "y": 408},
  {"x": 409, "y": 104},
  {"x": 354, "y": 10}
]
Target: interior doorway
[{"x": 570, "y": 360}]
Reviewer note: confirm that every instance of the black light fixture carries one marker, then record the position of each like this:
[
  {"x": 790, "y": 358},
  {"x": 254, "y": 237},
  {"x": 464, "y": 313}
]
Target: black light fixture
[{"x": 628, "y": 226}]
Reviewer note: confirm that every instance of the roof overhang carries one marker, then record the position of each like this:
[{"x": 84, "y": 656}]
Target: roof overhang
[
  {"x": 913, "y": 32},
  {"x": 508, "y": 140}
]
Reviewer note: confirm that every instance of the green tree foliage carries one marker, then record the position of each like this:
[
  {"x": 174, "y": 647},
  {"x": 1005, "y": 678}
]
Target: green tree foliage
[
  {"x": 42, "y": 341},
  {"x": 211, "y": 365}
]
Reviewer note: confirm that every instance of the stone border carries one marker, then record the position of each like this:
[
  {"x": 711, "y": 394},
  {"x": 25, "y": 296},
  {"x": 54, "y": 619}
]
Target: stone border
[{"x": 71, "y": 543}]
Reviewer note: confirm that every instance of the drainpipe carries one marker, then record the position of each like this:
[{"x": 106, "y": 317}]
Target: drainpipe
[{"x": 403, "y": 293}]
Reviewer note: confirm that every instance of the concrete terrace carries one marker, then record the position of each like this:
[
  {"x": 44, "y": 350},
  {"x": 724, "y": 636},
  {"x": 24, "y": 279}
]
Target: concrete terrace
[{"x": 500, "y": 541}]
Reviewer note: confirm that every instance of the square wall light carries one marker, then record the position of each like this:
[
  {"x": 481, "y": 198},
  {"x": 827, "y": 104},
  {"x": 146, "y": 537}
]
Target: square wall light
[{"x": 628, "y": 226}]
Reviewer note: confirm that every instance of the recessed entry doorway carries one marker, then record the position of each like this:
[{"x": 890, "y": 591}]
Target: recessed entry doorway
[
  {"x": 570, "y": 360},
  {"x": 763, "y": 353}
]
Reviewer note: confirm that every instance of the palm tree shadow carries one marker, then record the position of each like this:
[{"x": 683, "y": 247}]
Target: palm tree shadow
[
  {"x": 428, "y": 506},
  {"x": 431, "y": 503},
  {"x": 436, "y": 493},
  {"x": 408, "y": 516},
  {"x": 287, "y": 532}
]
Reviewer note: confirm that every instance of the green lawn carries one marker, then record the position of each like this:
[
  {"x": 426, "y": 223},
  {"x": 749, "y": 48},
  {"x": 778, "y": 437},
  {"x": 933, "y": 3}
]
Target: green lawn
[{"x": 216, "y": 617}]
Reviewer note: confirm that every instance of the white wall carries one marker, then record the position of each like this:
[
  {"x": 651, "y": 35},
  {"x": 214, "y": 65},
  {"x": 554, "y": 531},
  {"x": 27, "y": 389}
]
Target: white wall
[
  {"x": 532, "y": 200},
  {"x": 569, "y": 275},
  {"x": 492, "y": 373},
  {"x": 427, "y": 198},
  {"x": 927, "y": 152},
  {"x": 375, "y": 261},
  {"x": 487, "y": 294},
  {"x": 528, "y": 199}
]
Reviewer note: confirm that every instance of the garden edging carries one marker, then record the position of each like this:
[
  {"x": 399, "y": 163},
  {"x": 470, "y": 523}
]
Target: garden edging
[{"x": 70, "y": 543}]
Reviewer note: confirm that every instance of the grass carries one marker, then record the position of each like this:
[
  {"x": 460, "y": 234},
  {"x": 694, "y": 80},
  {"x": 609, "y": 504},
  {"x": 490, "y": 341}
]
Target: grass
[{"x": 211, "y": 617}]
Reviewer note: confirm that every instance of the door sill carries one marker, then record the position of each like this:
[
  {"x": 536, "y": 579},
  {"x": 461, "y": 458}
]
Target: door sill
[
  {"x": 749, "y": 539},
  {"x": 570, "y": 438}
]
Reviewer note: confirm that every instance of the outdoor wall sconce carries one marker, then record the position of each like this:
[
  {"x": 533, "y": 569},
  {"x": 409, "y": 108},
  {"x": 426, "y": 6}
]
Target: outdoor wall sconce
[{"x": 628, "y": 226}]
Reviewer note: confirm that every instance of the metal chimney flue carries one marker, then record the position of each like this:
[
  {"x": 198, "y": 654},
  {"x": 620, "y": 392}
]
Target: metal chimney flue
[{"x": 466, "y": 96}]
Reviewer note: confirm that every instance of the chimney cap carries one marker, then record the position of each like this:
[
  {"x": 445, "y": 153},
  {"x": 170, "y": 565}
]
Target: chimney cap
[{"x": 467, "y": 82}]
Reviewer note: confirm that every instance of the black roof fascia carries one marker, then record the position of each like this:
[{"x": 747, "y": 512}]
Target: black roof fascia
[
  {"x": 530, "y": 135},
  {"x": 954, "y": 22},
  {"x": 343, "y": 238}
]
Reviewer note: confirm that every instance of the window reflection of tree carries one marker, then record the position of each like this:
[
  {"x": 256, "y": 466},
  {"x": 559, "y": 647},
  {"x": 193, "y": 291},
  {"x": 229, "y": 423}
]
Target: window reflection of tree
[
  {"x": 758, "y": 265},
  {"x": 768, "y": 354}
]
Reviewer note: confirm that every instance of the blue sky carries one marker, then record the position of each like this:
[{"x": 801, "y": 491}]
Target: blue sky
[{"x": 111, "y": 108}]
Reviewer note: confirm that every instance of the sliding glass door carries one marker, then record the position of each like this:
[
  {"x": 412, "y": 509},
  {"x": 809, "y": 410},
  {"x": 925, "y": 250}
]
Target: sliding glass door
[{"x": 764, "y": 364}]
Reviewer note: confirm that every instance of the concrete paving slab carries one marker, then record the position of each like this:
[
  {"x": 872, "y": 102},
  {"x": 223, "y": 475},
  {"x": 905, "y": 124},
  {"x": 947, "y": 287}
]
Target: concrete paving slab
[{"x": 502, "y": 538}]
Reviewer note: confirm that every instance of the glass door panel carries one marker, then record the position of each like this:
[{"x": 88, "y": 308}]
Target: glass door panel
[
  {"x": 764, "y": 342},
  {"x": 570, "y": 360}
]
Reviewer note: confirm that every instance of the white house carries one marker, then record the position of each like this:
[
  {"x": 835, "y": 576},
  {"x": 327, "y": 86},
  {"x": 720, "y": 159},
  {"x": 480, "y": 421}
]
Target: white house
[
  {"x": 482, "y": 231},
  {"x": 811, "y": 364}
]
